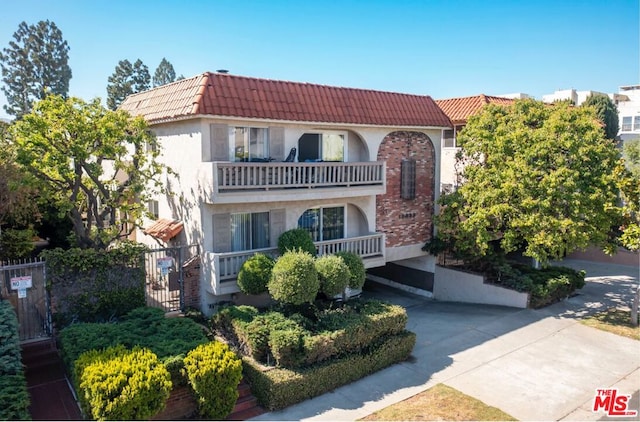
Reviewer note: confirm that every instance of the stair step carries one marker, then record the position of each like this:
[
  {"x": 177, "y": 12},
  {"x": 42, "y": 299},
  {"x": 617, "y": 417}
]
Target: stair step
[
  {"x": 246, "y": 414},
  {"x": 245, "y": 403},
  {"x": 244, "y": 390}
]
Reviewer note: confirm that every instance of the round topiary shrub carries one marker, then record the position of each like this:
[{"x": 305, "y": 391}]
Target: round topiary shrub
[
  {"x": 121, "y": 384},
  {"x": 296, "y": 239},
  {"x": 333, "y": 275},
  {"x": 356, "y": 269},
  {"x": 255, "y": 273},
  {"x": 294, "y": 279},
  {"x": 214, "y": 373}
]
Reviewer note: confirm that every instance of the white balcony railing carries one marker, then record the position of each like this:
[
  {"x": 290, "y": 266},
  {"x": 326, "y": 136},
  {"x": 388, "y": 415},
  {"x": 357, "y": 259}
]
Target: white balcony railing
[
  {"x": 227, "y": 265},
  {"x": 278, "y": 175}
]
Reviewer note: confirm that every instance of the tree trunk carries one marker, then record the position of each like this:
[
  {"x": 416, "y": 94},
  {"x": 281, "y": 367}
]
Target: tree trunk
[{"x": 634, "y": 308}]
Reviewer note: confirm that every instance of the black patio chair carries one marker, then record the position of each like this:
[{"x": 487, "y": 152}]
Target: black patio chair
[{"x": 292, "y": 156}]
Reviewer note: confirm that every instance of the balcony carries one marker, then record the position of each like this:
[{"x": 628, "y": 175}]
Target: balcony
[
  {"x": 223, "y": 268},
  {"x": 279, "y": 181}
]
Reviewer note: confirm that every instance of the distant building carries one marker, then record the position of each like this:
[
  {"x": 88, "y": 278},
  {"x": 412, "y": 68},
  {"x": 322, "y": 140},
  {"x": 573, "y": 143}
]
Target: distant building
[
  {"x": 628, "y": 102},
  {"x": 576, "y": 97}
]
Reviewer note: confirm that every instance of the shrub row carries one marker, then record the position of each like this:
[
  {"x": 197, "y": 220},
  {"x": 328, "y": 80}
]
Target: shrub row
[
  {"x": 296, "y": 341},
  {"x": 13, "y": 385},
  {"x": 545, "y": 285},
  {"x": 121, "y": 384},
  {"x": 90, "y": 285},
  {"x": 169, "y": 338},
  {"x": 278, "y": 388}
]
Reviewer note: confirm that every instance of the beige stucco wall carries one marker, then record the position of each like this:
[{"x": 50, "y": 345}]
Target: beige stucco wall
[{"x": 458, "y": 286}]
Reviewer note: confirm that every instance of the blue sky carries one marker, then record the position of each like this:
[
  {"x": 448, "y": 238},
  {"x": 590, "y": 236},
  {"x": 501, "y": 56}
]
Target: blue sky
[{"x": 438, "y": 48}]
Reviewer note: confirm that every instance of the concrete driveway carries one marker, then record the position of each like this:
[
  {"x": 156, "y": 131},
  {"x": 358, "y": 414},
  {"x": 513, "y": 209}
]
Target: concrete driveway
[{"x": 532, "y": 364}]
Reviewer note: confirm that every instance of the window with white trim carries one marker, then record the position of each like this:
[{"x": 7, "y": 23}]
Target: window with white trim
[
  {"x": 326, "y": 223},
  {"x": 626, "y": 123},
  {"x": 636, "y": 123}
]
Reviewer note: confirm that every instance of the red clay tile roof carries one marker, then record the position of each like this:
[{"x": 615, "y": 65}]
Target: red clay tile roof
[
  {"x": 459, "y": 109},
  {"x": 218, "y": 94},
  {"x": 164, "y": 229}
]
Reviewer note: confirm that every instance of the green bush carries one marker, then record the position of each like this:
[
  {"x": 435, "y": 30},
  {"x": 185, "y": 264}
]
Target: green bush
[
  {"x": 255, "y": 273},
  {"x": 294, "y": 279},
  {"x": 214, "y": 373},
  {"x": 294, "y": 240},
  {"x": 145, "y": 327},
  {"x": 545, "y": 285},
  {"x": 90, "y": 285},
  {"x": 356, "y": 269},
  {"x": 279, "y": 387},
  {"x": 333, "y": 275},
  {"x": 121, "y": 384},
  {"x": 13, "y": 385},
  {"x": 16, "y": 243},
  {"x": 295, "y": 341}
]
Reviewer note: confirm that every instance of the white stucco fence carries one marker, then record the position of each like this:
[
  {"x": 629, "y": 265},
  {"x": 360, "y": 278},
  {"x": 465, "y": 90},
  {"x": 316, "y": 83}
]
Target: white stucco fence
[{"x": 459, "y": 286}]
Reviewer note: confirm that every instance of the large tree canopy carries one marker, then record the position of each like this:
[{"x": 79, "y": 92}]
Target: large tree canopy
[
  {"x": 98, "y": 166},
  {"x": 164, "y": 73},
  {"x": 536, "y": 177},
  {"x": 606, "y": 111},
  {"x": 127, "y": 79},
  {"x": 35, "y": 64}
]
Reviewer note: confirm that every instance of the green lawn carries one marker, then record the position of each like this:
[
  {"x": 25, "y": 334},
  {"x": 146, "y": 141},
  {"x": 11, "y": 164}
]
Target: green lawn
[
  {"x": 440, "y": 402},
  {"x": 614, "y": 320}
]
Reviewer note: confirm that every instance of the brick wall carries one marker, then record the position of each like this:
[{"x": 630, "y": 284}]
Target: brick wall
[
  {"x": 181, "y": 405},
  {"x": 191, "y": 271},
  {"x": 406, "y": 221}
]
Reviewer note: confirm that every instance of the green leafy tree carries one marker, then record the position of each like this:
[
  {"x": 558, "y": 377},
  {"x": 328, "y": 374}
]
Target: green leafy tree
[
  {"x": 631, "y": 154},
  {"x": 606, "y": 111},
  {"x": 164, "y": 73},
  {"x": 536, "y": 177},
  {"x": 34, "y": 64},
  {"x": 97, "y": 166},
  {"x": 127, "y": 79}
]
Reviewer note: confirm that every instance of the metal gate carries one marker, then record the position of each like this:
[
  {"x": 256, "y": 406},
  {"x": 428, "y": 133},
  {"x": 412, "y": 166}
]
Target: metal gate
[
  {"x": 23, "y": 284},
  {"x": 164, "y": 287}
]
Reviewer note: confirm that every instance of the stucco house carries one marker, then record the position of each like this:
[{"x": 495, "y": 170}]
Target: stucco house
[
  {"x": 459, "y": 110},
  {"x": 359, "y": 169}
]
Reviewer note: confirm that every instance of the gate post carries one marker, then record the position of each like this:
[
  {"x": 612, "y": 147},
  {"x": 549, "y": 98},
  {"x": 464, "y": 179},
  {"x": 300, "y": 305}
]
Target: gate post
[{"x": 181, "y": 276}]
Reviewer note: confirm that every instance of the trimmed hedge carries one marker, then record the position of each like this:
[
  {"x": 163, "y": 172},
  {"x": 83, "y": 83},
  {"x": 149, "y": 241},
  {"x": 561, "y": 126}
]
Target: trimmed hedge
[
  {"x": 13, "y": 385},
  {"x": 214, "y": 373},
  {"x": 89, "y": 285},
  {"x": 333, "y": 273},
  {"x": 279, "y": 388},
  {"x": 356, "y": 269},
  {"x": 295, "y": 341},
  {"x": 121, "y": 384},
  {"x": 294, "y": 279},
  {"x": 168, "y": 338},
  {"x": 255, "y": 274},
  {"x": 295, "y": 240}
]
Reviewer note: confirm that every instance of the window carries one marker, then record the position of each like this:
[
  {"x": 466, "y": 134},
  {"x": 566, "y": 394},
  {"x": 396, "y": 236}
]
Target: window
[
  {"x": 152, "y": 207},
  {"x": 249, "y": 231},
  {"x": 626, "y": 124},
  {"x": 408, "y": 179},
  {"x": 321, "y": 147},
  {"x": 636, "y": 123},
  {"x": 448, "y": 138},
  {"x": 250, "y": 144},
  {"x": 323, "y": 223}
]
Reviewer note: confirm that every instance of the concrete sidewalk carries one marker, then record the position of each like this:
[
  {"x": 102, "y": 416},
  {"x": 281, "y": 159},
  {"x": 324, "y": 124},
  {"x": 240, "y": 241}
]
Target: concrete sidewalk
[{"x": 532, "y": 364}]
